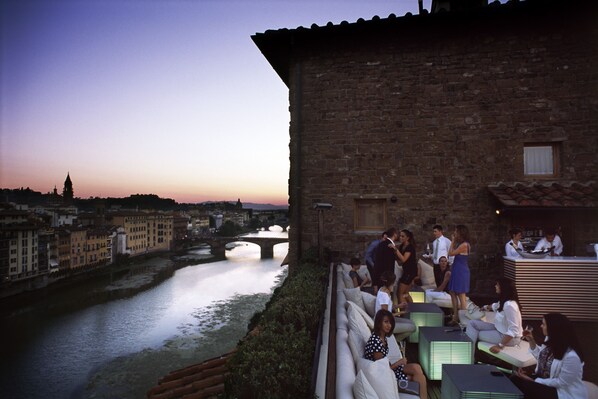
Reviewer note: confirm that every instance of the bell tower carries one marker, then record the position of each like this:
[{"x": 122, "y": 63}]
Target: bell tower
[{"x": 67, "y": 191}]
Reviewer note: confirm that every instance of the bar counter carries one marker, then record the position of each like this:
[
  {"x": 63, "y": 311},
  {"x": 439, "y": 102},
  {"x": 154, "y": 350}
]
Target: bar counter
[{"x": 564, "y": 284}]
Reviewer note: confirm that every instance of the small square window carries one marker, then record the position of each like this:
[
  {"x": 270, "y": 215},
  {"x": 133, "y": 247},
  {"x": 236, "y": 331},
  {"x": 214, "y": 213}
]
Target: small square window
[
  {"x": 540, "y": 160},
  {"x": 370, "y": 214}
]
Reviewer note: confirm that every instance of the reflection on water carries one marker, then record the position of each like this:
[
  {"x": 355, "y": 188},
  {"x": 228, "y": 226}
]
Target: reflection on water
[{"x": 121, "y": 348}]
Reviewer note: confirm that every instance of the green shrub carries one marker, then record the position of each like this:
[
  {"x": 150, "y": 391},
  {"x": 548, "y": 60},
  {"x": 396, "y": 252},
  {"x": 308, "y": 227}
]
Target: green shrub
[{"x": 277, "y": 361}]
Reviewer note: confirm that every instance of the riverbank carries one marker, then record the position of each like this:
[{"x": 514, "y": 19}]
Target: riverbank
[{"x": 127, "y": 279}]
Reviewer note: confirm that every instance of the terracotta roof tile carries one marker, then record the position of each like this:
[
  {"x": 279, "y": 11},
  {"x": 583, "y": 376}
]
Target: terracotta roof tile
[
  {"x": 546, "y": 195},
  {"x": 203, "y": 380}
]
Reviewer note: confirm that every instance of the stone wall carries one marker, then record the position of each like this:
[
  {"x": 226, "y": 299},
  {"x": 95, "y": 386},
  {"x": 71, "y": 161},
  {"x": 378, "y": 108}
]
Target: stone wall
[{"x": 432, "y": 112}]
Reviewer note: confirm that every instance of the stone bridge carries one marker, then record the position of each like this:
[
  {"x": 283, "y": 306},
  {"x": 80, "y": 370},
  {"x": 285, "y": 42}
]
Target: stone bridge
[{"x": 218, "y": 244}]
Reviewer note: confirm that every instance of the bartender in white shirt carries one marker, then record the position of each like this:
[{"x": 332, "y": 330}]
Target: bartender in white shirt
[
  {"x": 550, "y": 241},
  {"x": 515, "y": 243},
  {"x": 440, "y": 248}
]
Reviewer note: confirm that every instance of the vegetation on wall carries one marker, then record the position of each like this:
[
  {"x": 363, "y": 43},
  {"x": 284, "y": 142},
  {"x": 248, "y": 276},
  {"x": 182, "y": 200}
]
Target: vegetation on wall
[{"x": 275, "y": 360}]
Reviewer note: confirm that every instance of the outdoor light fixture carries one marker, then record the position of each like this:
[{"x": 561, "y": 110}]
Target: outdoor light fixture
[
  {"x": 322, "y": 205},
  {"x": 498, "y": 212}
]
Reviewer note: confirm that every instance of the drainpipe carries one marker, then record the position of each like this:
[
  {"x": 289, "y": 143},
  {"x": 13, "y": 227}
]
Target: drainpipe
[{"x": 296, "y": 206}]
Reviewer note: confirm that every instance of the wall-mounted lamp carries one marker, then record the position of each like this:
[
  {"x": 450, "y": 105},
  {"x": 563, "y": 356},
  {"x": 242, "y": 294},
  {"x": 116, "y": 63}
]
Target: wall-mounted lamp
[{"x": 498, "y": 211}]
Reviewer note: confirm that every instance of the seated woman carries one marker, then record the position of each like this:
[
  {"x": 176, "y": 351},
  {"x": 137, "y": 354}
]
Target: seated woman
[
  {"x": 559, "y": 370},
  {"x": 512, "y": 246},
  {"x": 441, "y": 292},
  {"x": 377, "y": 348},
  {"x": 404, "y": 327},
  {"x": 506, "y": 329},
  {"x": 358, "y": 282}
]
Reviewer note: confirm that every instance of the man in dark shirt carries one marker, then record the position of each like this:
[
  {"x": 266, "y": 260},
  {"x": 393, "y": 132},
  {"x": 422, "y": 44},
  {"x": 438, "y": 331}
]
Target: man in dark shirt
[{"x": 385, "y": 256}]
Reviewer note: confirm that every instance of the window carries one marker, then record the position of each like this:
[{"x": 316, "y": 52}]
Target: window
[
  {"x": 540, "y": 160},
  {"x": 370, "y": 214}
]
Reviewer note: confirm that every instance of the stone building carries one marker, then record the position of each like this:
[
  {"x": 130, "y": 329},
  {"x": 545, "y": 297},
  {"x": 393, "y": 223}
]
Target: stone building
[{"x": 423, "y": 119}]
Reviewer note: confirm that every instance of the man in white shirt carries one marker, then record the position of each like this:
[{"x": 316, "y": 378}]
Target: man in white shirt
[
  {"x": 550, "y": 241},
  {"x": 440, "y": 248}
]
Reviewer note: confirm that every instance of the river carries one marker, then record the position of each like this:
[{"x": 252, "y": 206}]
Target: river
[{"x": 119, "y": 349}]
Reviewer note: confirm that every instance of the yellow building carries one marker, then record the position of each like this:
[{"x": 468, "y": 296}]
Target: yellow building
[
  {"x": 159, "y": 231},
  {"x": 96, "y": 251},
  {"x": 135, "y": 226},
  {"x": 78, "y": 240}
]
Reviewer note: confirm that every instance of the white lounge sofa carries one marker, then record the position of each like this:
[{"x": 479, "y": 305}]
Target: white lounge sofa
[{"x": 357, "y": 377}]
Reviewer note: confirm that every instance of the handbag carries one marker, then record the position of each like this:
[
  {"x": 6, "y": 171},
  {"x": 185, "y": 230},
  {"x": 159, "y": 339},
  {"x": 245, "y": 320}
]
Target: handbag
[{"x": 474, "y": 312}]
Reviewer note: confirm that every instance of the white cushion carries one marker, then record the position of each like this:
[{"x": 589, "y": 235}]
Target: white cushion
[
  {"x": 357, "y": 323},
  {"x": 347, "y": 280},
  {"x": 380, "y": 377},
  {"x": 340, "y": 282},
  {"x": 369, "y": 321},
  {"x": 427, "y": 273},
  {"x": 345, "y": 267},
  {"x": 394, "y": 351},
  {"x": 518, "y": 357},
  {"x": 341, "y": 311},
  {"x": 362, "y": 389},
  {"x": 354, "y": 295},
  {"x": 345, "y": 368},
  {"x": 365, "y": 273},
  {"x": 369, "y": 302},
  {"x": 357, "y": 345}
]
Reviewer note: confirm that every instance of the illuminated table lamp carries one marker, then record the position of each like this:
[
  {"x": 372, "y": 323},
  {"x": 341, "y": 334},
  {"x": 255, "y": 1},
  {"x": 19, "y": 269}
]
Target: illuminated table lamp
[
  {"x": 442, "y": 345},
  {"x": 424, "y": 315}
]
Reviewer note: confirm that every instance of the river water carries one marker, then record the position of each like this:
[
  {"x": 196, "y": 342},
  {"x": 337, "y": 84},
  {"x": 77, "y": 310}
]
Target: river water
[{"x": 119, "y": 349}]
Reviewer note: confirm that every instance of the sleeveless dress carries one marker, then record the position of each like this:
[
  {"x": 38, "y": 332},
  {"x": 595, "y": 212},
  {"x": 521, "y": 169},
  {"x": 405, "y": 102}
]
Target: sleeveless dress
[{"x": 459, "y": 281}]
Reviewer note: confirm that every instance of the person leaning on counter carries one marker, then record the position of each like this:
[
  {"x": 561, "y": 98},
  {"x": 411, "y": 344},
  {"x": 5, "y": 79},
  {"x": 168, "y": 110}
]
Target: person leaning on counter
[
  {"x": 512, "y": 246},
  {"x": 550, "y": 241}
]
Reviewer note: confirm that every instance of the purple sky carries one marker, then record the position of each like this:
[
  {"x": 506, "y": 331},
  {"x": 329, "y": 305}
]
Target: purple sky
[{"x": 152, "y": 96}]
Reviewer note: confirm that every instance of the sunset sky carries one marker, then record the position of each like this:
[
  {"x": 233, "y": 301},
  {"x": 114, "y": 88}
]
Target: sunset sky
[{"x": 168, "y": 97}]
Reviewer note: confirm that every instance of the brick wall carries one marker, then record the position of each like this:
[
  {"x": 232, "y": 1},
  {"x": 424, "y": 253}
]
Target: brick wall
[{"x": 432, "y": 112}]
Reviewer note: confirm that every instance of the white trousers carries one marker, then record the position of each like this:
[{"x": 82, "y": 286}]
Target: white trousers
[{"x": 486, "y": 332}]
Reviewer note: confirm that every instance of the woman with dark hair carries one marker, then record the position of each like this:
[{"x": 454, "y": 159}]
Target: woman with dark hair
[
  {"x": 559, "y": 369},
  {"x": 377, "y": 348},
  {"x": 405, "y": 253},
  {"x": 506, "y": 330},
  {"x": 514, "y": 244},
  {"x": 458, "y": 285}
]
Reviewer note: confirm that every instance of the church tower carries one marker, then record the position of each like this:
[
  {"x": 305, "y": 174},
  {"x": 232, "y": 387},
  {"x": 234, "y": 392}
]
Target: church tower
[{"x": 67, "y": 191}]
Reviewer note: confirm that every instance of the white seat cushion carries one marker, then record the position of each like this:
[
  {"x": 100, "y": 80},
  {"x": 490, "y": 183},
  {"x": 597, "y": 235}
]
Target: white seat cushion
[
  {"x": 354, "y": 295},
  {"x": 368, "y": 320},
  {"x": 357, "y": 345},
  {"x": 347, "y": 280},
  {"x": 362, "y": 389},
  {"x": 592, "y": 390},
  {"x": 357, "y": 322},
  {"x": 427, "y": 273},
  {"x": 369, "y": 302},
  {"x": 518, "y": 357},
  {"x": 380, "y": 377}
]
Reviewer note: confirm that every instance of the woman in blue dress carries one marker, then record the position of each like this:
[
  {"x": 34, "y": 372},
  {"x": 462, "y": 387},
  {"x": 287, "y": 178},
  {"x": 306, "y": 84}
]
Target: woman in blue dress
[{"x": 458, "y": 285}]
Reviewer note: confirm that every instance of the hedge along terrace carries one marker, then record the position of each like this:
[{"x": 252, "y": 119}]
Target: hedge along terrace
[{"x": 275, "y": 361}]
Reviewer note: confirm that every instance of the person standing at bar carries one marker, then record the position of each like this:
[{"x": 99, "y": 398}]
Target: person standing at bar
[
  {"x": 512, "y": 246},
  {"x": 550, "y": 241}
]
